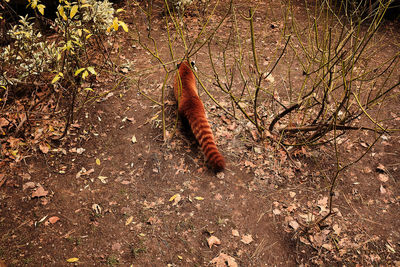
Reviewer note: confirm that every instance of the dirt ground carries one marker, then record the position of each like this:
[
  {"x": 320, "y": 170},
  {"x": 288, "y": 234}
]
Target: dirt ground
[{"x": 114, "y": 193}]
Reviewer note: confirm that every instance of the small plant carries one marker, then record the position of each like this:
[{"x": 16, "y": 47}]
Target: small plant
[
  {"x": 112, "y": 260},
  {"x": 59, "y": 69}
]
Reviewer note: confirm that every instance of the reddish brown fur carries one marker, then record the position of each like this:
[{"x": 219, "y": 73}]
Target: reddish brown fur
[{"x": 191, "y": 108}]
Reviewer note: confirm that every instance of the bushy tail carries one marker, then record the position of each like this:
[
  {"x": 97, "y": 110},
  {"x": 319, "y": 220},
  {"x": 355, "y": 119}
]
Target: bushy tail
[{"x": 202, "y": 131}]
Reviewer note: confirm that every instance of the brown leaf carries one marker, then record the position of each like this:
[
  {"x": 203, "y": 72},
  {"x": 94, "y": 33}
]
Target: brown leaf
[
  {"x": 213, "y": 240},
  {"x": 44, "y": 147},
  {"x": 235, "y": 232},
  {"x": 294, "y": 224},
  {"x": 380, "y": 168},
  {"x": 39, "y": 192},
  {"x": 383, "y": 177},
  {"x": 247, "y": 239},
  {"x": 224, "y": 260},
  {"x": 28, "y": 185},
  {"x": 382, "y": 190},
  {"x": 54, "y": 219}
]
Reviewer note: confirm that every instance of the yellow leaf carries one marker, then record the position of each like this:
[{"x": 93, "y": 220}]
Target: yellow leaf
[
  {"x": 72, "y": 260},
  {"x": 74, "y": 9},
  {"x": 57, "y": 77},
  {"x": 85, "y": 74},
  {"x": 120, "y": 10},
  {"x": 88, "y": 89},
  {"x": 180, "y": 257},
  {"x": 133, "y": 139},
  {"x": 115, "y": 24},
  {"x": 173, "y": 197},
  {"x": 14, "y": 152},
  {"x": 92, "y": 71},
  {"x": 98, "y": 161},
  {"x": 199, "y": 198},
  {"x": 79, "y": 71},
  {"x": 129, "y": 220},
  {"x": 88, "y": 36},
  {"x": 123, "y": 25},
  {"x": 33, "y": 3},
  {"x": 62, "y": 13},
  {"x": 41, "y": 9}
]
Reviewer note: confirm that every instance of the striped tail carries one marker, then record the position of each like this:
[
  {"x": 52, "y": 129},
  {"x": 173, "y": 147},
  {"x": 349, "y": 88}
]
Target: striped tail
[{"x": 202, "y": 131}]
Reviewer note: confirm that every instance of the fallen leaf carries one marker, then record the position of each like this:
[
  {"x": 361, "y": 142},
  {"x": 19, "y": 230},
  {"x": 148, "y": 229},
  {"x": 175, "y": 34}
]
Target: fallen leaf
[
  {"x": 382, "y": 190},
  {"x": 80, "y": 150},
  {"x": 72, "y": 259},
  {"x": 380, "y": 168},
  {"x": 175, "y": 198},
  {"x": 44, "y": 147},
  {"x": 129, "y": 220},
  {"x": 383, "y": 177},
  {"x": 54, "y": 219},
  {"x": 133, "y": 139},
  {"x": 199, "y": 198},
  {"x": 98, "y": 161},
  {"x": 336, "y": 229},
  {"x": 28, "y": 185},
  {"x": 103, "y": 179},
  {"x": 294, "y": 224},
  {"x": 39, "y": 192},
  {"x": 213, "y": 240},
  {"x": 276, "y": 212},
  {"x": 247, "y": 239},
  {"x": 224, "y": 260},
  {"x": 235, "y": 232}
]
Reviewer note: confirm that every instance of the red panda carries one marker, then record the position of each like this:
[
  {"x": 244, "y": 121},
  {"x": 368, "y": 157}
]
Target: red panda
[{"x": 191, "y": 108}]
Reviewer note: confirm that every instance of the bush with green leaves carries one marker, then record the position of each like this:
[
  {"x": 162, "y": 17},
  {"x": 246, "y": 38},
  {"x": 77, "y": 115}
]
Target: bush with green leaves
[{"x": 29, "y": 54}]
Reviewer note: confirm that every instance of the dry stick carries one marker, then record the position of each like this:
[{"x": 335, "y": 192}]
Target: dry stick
[
  {"x": 310, "y": 128},
  {"x": 70, "y": 113},
  {"x": 208, "y": 39},
  {"x": 204, "y": 27},
  {"x": 282, "y": 114},
  {"x": 212, "y": 98},
  {"x": 339, "y": 170},
  {"x": 272, "y": 69}
]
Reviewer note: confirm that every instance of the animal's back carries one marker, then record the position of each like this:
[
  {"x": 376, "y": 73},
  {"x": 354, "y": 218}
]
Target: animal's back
[{"x": 191, "y": 107}]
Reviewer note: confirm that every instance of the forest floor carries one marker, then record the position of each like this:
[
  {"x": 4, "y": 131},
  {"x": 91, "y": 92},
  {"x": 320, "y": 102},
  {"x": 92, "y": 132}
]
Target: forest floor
[{"x": 114, "y": 193}]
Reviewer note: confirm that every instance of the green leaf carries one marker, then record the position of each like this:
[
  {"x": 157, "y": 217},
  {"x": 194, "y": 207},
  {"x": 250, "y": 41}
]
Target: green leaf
[{"x": 74, "y": 9}]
